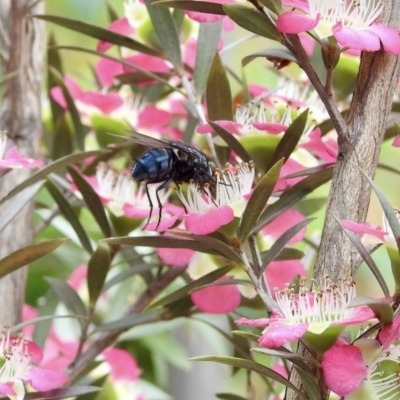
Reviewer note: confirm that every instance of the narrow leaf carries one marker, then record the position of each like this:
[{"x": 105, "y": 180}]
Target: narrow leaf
[
  {"x": 291, "y": 196},
  {"x": 67, "y": 295},
  {"x": 54, "y": 166},
  {"x": 131, "y": 320},
  {"x": 288, "y": 253},
  {"x": 92, "y": 200},
  {"x": 167, "y": 34},
  {"x": 229, "y": 396},
  {"x": 207, "y": 45},
  {"x": 281, "y": 242},
  {"x": 69, "y": 214},
  {"x": 98, "y": 33},
  {"x": 214, "y": 244},
  {"x": 248, "y": 17},
  {"x": 98, "y": 266},
  {"x": 289, "y": 140},
  {"x": 310, "y": 384},
  {"x": 18, "y": 203},
  {"x": 274, "y": 5},
  {"x": 250, "y": 366},
  {"x": 218, "y": 92},
  {"x": 26, "y": 255},
  {"x": 367, "y": 258},
  {"x": 231, "y": 141},
  {"x": 258, "y": 201},
  {"x": 190, "y": 5},
  {"x": 187, "y": 289},
  {"x": 61, "y": 393},
  {"x": 280, "y": 53},
  {"x": 80, "y": 129}
]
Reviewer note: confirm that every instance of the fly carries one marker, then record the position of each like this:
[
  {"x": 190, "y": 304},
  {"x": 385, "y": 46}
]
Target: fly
[{"x": 170, "y": 161}]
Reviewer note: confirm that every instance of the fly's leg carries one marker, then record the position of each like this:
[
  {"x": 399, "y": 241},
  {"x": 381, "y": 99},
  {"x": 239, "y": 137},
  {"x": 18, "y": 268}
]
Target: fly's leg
[
  {"x": 160, "y": 207},
  {"x": 151, "y": 206}
]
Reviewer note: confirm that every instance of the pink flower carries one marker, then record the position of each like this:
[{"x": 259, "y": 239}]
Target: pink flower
[
  {"x": 104, "y": 102},
  {"x": 284, "y": 222},
  {"x": 396, "y": 141},
  {"x": 16, "y": 367},
  {"x": 175, "y": 257},
  {"x": 352, "y": 24},
  {"x": 208, "y": 212},
  {"x": 311, "y": 311},
  {"x": 366, "y": 228},
  {"x": 326, "y": 150},
  {"x": 280, "y": 273},
  {"x": 13, "y": 159},
  {"x": 204, "y": 17},
  {"x": 343, "y": 380},
  {"x": 219, "y": 299},
  {"x": 371, "y": 366}
]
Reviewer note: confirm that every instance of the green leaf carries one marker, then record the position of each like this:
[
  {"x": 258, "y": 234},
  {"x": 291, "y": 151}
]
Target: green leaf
[
  {"x": 131, "y": 320},
  {"x": 229, "y": 396},
  {"x": 310, "y": 384},
  {"x": 291, "y": 196},
  {"x": 366, "y": 257},
  {"x": 281, "y": 242},
  {"x": 132, "y": 78},
  {"x": 207, "y": 46},
  {"x": 248, "y": 17},
  {"x": 280, "y": 53},
  {"x": 218, "y": 92},
  {"x": 54, "y": 61},
  {"x": 63, "y": 139},
  {"x": 167, "y": 34},
  {"x": 288, "y": 253},
  {"x": 274, "y": 5},
  {"x": 17, "y": 204},
  {"x": 288, "y": 355},
  {"x": 98, "y": 266},
  {"x": 187, "y": 289},
  {"x": 69, "y": 214},
  {"x": 61, "y": 393},
  {"x": 190, "y": 5},
  {"x": 258, "y": 201},
  {"x": 289, "y": 140},
  {"x": 250, "y": 366},
  {"x": 92, "y": 200},
  {"x": 98, "y": 33},
  {"x": 215, "y": 244},
  {"x": 382, "y": 309},
  {"x": 231, "y": 141},
  {"x": 26, "y": 255},
  {"x": 151, "y": 75},
  {"x": 67, "y": 295},
  {"x": 247, "y": 335},
  {"x": 162, "y": 241},
  {"x": 80, "y": 129},
  {"x": 52, "y": 167}
]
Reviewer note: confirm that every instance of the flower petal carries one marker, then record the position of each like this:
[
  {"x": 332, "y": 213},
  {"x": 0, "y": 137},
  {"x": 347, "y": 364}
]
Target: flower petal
[
  {"x": 203, "y": 224},
  {"x": 123, "y": 365},
  {"x": 43, "y": 379},
  {"x": 293, "y": 22},
  {"x": 343, "y": 368},
  {"x": 364, "y": 228},
  {"x": 278, "y": 334},
  {"x": 217, "y": 299},
  {"x": 388, "y": 36},
  {"x": 364, "y": 40}
]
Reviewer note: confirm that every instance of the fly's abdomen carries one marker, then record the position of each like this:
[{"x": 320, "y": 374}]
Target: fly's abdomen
[{"x": 153, "y": 166}]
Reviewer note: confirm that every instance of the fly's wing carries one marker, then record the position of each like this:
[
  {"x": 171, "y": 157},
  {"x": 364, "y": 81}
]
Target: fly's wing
[
  {"x": 149, "y": 141},
  {"x": 145, "y": 140}
]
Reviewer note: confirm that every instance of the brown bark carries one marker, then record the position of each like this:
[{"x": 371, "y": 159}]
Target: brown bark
[{"x": 23, "y": 44}]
